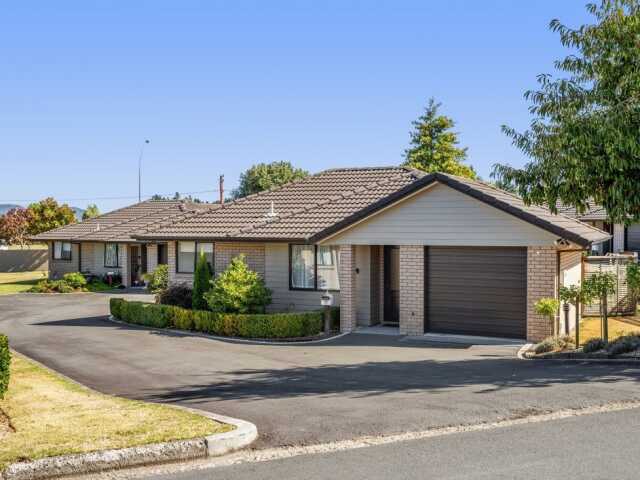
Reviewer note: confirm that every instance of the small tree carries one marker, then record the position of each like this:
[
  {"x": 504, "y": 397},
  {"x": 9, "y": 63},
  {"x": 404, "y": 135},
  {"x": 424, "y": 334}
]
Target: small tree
[
  {"x": 201, "y": 283},
  {"x": 575, "y": 295},
  {"x": 238, "y": 290},
  {"x": 264, "y": 176},
  {"x": 633, "y": 280},
  {"x": 433, "y": 147},
  {"x": 158, "y": 280},
  {"x": 47, "y": 214},
  {"x": 91, "y": 212},
  {"x": 548, "y": 307},
  {"x": 14, "y": 226},
  {"x": 600, "y": 285}
]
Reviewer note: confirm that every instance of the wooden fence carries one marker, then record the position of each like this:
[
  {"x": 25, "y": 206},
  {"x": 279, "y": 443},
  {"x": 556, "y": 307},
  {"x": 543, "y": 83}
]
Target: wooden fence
[
  {"x": 620, "y": 302},
  {"x": 27, "y": 260}
]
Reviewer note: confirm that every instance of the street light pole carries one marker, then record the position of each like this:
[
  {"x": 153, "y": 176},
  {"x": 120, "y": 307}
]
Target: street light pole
[{"x": 140, "y": 171}]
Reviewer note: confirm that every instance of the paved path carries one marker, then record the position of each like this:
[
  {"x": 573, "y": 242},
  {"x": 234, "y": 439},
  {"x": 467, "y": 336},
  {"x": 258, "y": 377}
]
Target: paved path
[{"x": 303, "y": 394}]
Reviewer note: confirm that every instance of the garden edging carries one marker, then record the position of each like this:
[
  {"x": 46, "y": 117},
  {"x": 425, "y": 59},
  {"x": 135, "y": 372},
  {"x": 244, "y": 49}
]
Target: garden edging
[
  {"x": 525, "y": 354},
  {"x": 214, "y": 445},
  {"x": 229, "y": 339}
]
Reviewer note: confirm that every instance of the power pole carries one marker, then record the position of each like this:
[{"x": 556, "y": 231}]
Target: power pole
[
  {"x": 140, "y": 171},
  {"x": 221, "y": 189}
]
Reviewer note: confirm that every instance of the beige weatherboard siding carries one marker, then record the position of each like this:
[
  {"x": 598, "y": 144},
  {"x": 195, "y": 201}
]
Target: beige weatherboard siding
[{"x": 440, "y": 215}]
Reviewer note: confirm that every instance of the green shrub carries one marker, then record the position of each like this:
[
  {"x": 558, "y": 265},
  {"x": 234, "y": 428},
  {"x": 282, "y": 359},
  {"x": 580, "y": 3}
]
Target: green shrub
[
  {"x": 115, "y": 307},
  {"x": 238, "y": 290},
  {"x": 624, "y": 344},
  {"x": 275, "y": 325},
  {"x": 201, "y": 283},
  {"x": 158, "y": 280},
  {"x": 75, "y": 280},
  {"x": 62, "y": 286},
  {"x": 549, "y": 344},
  {"x": 5, "y": 363},
  {"x": 593, "y": 345},
  {"x": 179, "y": 295}
]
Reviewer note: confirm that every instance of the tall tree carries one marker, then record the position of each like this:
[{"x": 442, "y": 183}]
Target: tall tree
[
  {"x": 48, "y": 214},
  {"x": 91, "y": 212},
  {"x": 264, "y": 176},
  {"x": 434, "y": 147},
  {"x": 14, "y": 226},
  {"x": 583, "y": 139}
]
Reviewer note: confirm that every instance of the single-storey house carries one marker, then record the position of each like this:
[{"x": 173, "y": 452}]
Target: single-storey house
[
  {"x": 104, "y": 245},
  {"x": 624, "y": 238},
  {"x": 425, "y": 252}
]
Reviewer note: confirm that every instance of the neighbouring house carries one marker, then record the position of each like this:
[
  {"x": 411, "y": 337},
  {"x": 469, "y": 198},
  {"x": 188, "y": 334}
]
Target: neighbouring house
[
  {"x": 624, "y": 238},
  {"x": 395, "y": 246},
  {"x": 104, "y": 245}
]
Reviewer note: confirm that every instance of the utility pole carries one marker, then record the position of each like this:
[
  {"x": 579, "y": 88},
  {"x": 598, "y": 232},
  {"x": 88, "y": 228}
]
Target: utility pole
[
  {"x": 140, "y": 171},
  {"x": 221, "y": 189}
]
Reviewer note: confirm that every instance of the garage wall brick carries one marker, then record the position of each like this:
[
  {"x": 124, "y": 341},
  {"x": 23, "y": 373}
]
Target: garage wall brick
[
  {"x": 348, "y": 298},
  {"x": 411, "y": 289},
  {"x": 175, "y": 277},
  {"x": 152, "y": 257},
  {"x": 542, "y": 281}
]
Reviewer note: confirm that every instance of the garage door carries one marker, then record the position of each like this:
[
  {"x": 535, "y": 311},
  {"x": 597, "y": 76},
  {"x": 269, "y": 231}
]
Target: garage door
[{"x": 476, "y": 291}]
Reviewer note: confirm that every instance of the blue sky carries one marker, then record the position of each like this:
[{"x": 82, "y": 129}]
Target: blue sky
[{"x": 219, "y": 86}]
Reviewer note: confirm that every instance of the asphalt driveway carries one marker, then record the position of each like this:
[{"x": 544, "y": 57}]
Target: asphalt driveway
[{"x": 303, "y": 394}]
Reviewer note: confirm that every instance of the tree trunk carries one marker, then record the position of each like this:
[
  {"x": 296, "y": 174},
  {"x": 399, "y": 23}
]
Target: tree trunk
[{"x": 605, "y": 322}]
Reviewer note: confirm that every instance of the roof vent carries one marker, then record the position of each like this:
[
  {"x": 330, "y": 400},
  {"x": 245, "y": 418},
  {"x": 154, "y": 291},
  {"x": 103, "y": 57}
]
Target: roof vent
[
  {"x": 271, "y": 213},
  {"x": 97, "y": 227}
]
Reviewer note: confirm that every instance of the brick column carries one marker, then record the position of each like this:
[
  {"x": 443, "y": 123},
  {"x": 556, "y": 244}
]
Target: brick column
[
  {"x": 411, "y": 289},
  {"x": 152, "y": 257},
  {"x": 542, "y": 282},
  {"x": 347, "y": 276},
  {"x": 123, "y": 261}
]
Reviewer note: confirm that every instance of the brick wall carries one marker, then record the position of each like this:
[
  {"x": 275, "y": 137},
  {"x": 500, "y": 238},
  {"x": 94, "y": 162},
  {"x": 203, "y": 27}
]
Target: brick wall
[
  {"x": 152, "y": 257},
  {"x": 347, "y": 275},
  {"x": 123, "y": 261},
  {"x": 225, "y": 252},
  {"x": 57, "y": 268},
  {"x": 375, "y": 284},
  {"x": 411, "y": 289},
  {"x": 618, "y": 237},
  {"x": 88, "y": 258},
  {"x": 174, "y": 277},
  {"x": 542, "y": 281}
]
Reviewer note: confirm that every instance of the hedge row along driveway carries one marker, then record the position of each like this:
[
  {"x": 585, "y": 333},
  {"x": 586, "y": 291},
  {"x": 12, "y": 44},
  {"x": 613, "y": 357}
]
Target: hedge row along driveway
[{"x": 271, "y": 325}]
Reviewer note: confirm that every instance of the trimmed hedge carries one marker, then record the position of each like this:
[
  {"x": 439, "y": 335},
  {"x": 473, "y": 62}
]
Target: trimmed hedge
[
  {"x": 5, "y": 362},
  {"x": 249, "y": 325}
]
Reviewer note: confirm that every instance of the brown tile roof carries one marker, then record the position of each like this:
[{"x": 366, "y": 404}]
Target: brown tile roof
[
  {"x": 119, "y": 225},
  {"x": 318, "y": 206},
  {"x": 594, "y": 212},
  {"x": 302, "y": 208}
]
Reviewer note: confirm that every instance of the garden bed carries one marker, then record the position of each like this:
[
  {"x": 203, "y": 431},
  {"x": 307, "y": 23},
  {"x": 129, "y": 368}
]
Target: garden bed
[
  {"x": 625, "y": 347},
  {"x": 291, "y": 326}
]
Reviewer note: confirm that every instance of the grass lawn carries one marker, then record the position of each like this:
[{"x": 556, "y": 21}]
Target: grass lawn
[
  {"x": 19, "y": 281},
  {"x": 618, "y": 326},
  {"x": 50, "y": 415}
]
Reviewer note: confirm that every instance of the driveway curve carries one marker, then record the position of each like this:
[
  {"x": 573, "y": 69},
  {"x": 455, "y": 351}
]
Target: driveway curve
[{"x": 303, "y": 394}]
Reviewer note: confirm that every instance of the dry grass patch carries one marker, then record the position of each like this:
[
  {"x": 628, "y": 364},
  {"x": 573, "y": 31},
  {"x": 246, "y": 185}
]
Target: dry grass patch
[
  {"x": 16, "y": 282},
  {"x": 53, "y": 416},
  {"x": 618, "y": 326}
]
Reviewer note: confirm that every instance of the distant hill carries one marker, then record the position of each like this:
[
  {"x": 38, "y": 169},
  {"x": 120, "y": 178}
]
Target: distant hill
[{"x": 5, "y": 207}]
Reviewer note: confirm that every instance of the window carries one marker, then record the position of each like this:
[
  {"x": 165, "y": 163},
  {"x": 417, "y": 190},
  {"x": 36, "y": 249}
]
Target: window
[
  {"x": 327, "y": 270},
  {"x": 187, "y": 258},
  {"x": 313, "y": 267},
  {"x": 111, "y": 255},
  {"x": 207, "y": 249},
  {"x": 62, "y": 250}
]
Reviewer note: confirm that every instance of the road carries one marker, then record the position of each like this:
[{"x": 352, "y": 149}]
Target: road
[{"x": 598, "y": 446}]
